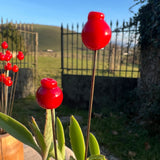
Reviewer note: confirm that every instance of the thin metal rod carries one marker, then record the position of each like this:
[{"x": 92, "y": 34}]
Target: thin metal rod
[
  {"x": 67, "y": 48},
  {"x": 11, "y": 94},
  {"x": 72, "y": 49},
  {"x": 15, "y": 84},
  {"x": 6, "y": 94},
  {"x": 1, "y": 93},
  {"x": 54, "y": 135},
  {"x": 91, "y": 103}
]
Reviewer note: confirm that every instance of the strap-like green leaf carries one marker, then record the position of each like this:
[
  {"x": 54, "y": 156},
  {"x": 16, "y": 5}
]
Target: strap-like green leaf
[
  {"x": 77, "y": 139},
  {"x": 18, "y": 130},
  {"x": 48, "y": 133},
  {"x": 93, "y": 145},
  {"x": 52, "y": 154},
  {"x": 97, "y": 157},
  {"x": 39, "y": 137},
  {"x": 60, "y": 137}
]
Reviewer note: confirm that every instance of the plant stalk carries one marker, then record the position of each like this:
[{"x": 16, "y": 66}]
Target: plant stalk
[
  {"x": 54, "y": 133},
  {"x": 91, "y": 102}
]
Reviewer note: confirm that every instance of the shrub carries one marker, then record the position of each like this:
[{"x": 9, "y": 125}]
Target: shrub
[{"x": 144, "y": 107}]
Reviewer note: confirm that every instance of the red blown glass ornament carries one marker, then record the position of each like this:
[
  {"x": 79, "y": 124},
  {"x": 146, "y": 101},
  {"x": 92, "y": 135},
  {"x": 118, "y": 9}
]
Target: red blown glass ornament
[
  {"x": 20, "y": 55},
  {"x": 4, "y": 45},
  {"x": 2, "y": 57},
  {"x": 15, "y": 68},
  {"x": 49, "y": 95},
  {"x": 2, "y": 77},
  {"x": 8, "y": 82},
  {"x": 8, "y": 66},
  {"x": 96, "y": 33}
]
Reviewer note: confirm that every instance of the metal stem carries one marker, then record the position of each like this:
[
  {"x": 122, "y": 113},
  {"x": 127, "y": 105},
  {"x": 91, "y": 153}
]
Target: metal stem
[
  {"x": 54, "y": 134},
  {"x": 91, "y": 103},
  {"x": 2, "y": 110},
  {"x": 11, "y": 93},
  {"x": 15, "y": 84},
  {"x": 6, "y": 95},
  {"x": 2, "y": 97}
]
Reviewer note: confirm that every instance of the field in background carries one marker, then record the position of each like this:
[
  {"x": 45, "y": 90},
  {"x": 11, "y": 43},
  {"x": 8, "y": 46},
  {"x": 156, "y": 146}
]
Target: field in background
[
  {"x": 49, "y": 37},
  {"x": 49, "y": 65}
]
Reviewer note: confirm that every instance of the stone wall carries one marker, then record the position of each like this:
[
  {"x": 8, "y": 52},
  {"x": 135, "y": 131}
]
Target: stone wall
[
  {"x": 25, "y": 83},
  {"x": 76, "y": 89}
]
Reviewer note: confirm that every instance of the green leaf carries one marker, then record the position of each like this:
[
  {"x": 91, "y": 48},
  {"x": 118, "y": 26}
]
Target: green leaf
[
  {"x": 18, "y": 130},
  {"x": 39, "y": 137},
  {"x": 77, "y": 139},
  {"x": 97, "y": 157},
  {"x": 93, "y": 145},
  {"x": 60, "y": 137},
  {"x": 48, "y": 133},
  {"x": 52, "y": 154}
]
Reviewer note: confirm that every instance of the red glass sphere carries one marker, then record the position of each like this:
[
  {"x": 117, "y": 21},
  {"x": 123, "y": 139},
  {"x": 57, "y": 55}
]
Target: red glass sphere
[
  {"x": 15, "y": 68},
  {"x": 8, "y": 66},
  {"x": 20, "y": 55},
  {"x": 49, "y": 95},
  {"x": 2, "y": 57},
  {"x": 8, "y": 82},
  {"x": 20, "y": 52},
  {"x": 8, "y": 52},
  {"x": 2, "y": 77},
  {"x": 4, "y": 45},
  {"x": 8, "y": 57},
  {"x": 96, "y": 33}
]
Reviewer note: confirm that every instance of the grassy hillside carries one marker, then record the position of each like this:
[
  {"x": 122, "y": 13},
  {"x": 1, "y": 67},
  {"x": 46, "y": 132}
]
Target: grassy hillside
[{"x": 49, "y": 37}]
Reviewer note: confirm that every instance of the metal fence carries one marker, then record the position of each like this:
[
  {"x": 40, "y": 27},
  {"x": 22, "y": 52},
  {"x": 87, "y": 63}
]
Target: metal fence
[
  {"x": 120, "y": 58},
  {"x": 20, "y": 37}
]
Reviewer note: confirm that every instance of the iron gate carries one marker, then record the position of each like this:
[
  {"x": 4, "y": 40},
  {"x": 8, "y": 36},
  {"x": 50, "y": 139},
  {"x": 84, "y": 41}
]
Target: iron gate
[
  {"x": 20, "y": 37},
  {"x": 120, "y": 58}
]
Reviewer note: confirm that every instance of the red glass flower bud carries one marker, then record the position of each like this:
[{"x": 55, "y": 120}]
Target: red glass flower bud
[
  {"x": 96, "y": 33},
  {"x": 4, "y": 45},
  {"x": 8, "y": 82},
  {"x": 8, "y": 66},
  {"x": 15, "y": 68},
  {"x": 20, "y": 52},
  {"x": 2, "y": 77},
  {"x": 20, "y": 55},
  {"x": 49, "y": 95},
  {"x": 8, "y": 57},
  {"x": 8, "y": 52},
  {"x": 2, "y": 57}
]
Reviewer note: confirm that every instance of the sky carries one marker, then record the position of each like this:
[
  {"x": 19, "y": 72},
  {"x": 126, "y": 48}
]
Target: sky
[{"x": 56, "y": 12}]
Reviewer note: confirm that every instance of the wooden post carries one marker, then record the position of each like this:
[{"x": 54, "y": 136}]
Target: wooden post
[
  {"x": 36, "y": 59},
  {"x": 62, "y": 54}
]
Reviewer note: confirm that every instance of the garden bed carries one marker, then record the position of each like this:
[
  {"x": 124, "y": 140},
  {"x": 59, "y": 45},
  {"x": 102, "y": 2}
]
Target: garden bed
[{"x": 116, "y": 134}]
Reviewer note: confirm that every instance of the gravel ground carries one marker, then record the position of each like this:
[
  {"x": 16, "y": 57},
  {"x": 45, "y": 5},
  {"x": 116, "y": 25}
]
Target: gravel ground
[{"x": 31, "y": 154}]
